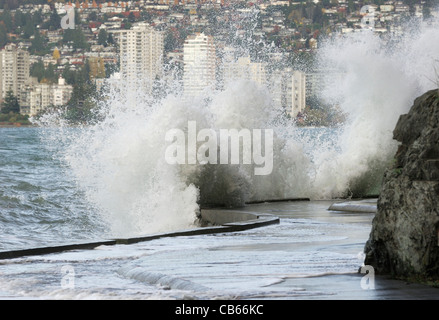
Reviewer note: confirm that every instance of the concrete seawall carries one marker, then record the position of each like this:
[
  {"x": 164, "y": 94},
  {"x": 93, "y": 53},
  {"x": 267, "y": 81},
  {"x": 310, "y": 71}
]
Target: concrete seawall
[{"x": 222, "y": 220}]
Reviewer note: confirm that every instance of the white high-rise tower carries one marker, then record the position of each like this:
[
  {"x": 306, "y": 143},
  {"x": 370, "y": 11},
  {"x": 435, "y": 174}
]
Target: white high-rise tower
[
  {"x": 141, "y": 54},
  {"x": 298, "y": 93},
  {"x": 14, "y": 70},
  {"x": 199, "y": 64}
]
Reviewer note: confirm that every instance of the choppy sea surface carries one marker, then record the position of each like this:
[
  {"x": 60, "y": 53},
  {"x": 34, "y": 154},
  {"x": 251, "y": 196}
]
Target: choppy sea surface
[
  {"x": 39, "y": 202},
  {"x": 41, "y": 205},
  {"x": 310, "y": 243},
  {"x": 313, "y": 253}
]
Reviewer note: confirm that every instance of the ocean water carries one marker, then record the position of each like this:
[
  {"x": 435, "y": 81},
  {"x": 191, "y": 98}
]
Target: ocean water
[
  {"x": 119, "y": 165},
  {"x": 263, "y": 263},
  {"x": 43, "y": 202},
  {"x": 40, "y": 204},
  {"x": 109, "y": 179}
]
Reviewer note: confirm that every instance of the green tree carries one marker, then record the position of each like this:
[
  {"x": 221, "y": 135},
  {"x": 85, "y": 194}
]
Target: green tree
[
  {"x": 6, "y": 17},
  {"x": 131, "y": 17},
  {"x": 67, "y": 35},
  {"x": 126, "y": 24},
  {"x": 318, "y": 15},
  {"x": 103, "y": 37},
  {"x": 37, "y": 17},
  {"x": 84, "y": 73},
  {"x": 93, "y": 16},
  {"x": 145, "y": 16},
  {"x": 170, "y": 43},
  {"x": 10, "y": 104},
  {"x": 9, "y": 4},
  {"x": 19, "y": 18},
  {"x": 37, "y": 46},
  {"x": 3, "y": 34},
  {"x": 78, "y": 19},
  {"x": 54, "y": 21},
  {"x": 79, "y": 40},
  {"x": 81, "y": 104},
  {"x": 76, "y": 37},
  {"x": 67, "y": 74},
  {"x": 76, "y": 77},
  {"x": 29, "y": 27},
  {"x": 110, "y": 39},
  {"x": 37, "y": 70},
  {"x": 50, "y": 73},
  {"x": 111, "y": 68}
]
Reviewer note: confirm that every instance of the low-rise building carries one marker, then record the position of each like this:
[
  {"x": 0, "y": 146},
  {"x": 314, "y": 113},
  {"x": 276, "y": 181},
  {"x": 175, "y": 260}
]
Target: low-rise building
[{"x": 38, "y": 96}]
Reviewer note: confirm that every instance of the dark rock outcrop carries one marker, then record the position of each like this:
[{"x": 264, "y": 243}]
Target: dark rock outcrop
[{"x": 404, "y": 239}]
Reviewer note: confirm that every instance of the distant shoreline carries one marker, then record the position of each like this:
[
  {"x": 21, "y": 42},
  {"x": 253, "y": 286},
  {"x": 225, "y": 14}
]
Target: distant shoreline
[{"x": 16, "y": 125}]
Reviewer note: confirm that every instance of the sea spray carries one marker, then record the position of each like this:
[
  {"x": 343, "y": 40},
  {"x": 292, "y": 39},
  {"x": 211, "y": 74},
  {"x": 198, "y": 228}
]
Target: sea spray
[
  {"x": 246, "y": 105},
  {"x": 119, "y": 161},
  {"x": 381, "y": 78}
]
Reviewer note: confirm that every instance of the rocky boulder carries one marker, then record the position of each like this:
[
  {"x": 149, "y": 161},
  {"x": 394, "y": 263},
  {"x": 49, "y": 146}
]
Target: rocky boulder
[{"x": 404, "y": 239}]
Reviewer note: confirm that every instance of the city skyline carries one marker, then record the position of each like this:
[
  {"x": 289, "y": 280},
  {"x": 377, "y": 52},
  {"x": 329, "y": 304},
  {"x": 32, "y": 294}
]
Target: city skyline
[{"x": 138, "y": 40}]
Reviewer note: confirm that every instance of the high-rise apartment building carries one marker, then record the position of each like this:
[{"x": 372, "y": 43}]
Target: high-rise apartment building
[
  {"x": 244, "y": 68},
  {"x": 40, "y": 98},
  {"x": 199, "y": 64},
  {"x": 288, "y": 90},
  {"x": 14, "y": 70},
  {"x": 297, "y": 93},
  {"x": 141, "y": 51},
  {"x": 322, "y": 79}
]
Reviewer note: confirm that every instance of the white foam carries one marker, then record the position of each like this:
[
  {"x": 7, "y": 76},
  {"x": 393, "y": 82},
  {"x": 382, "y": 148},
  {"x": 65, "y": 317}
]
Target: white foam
[
  {"x": 119, "y": 162},
  {"x": 379, "y": 84}
]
